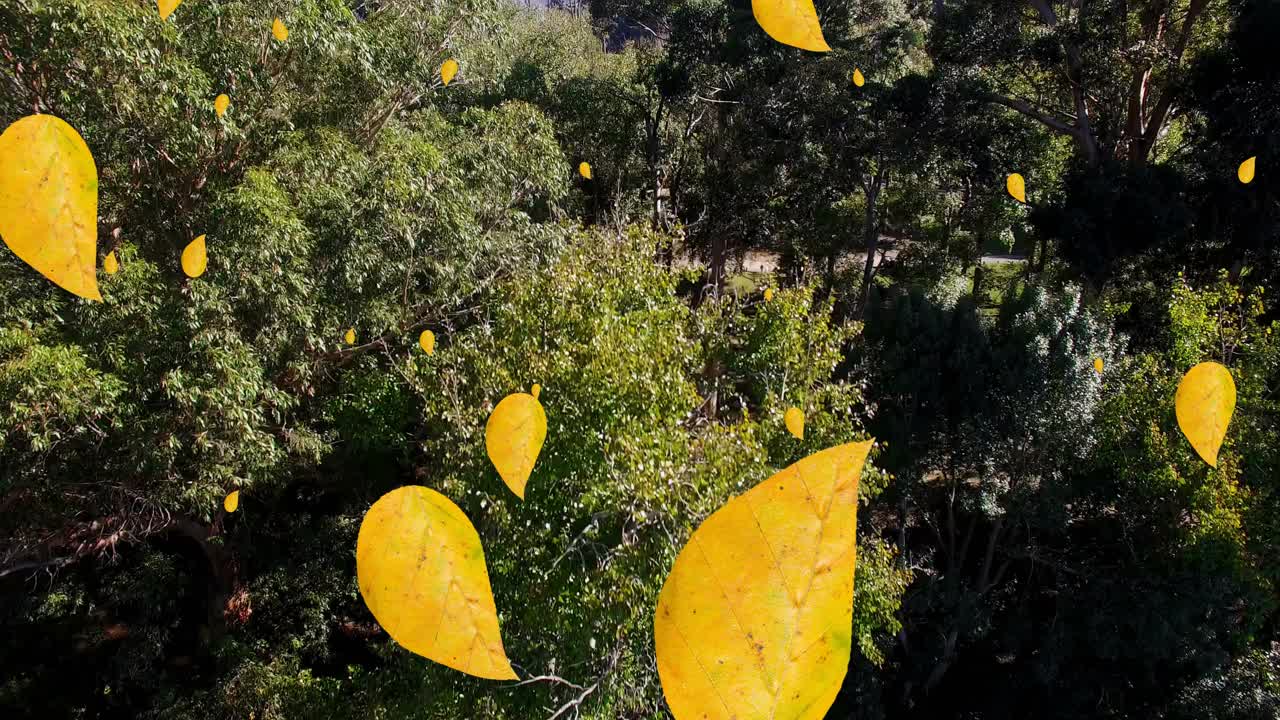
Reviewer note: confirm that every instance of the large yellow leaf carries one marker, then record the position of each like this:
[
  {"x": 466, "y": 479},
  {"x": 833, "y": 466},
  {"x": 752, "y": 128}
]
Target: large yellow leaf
[
  {"x": 422, "y": 573},
  {"x": 448, "y": 69},
  {"x": 1017, "y": 187},
  {"x": 1205, "y": 401},
  {"x": 231, "y": 502},
  {"x": 754, "y": 621},
  {"x": 166, "y": 7},
  {"x": 220, "y": 104},
  {"x": 194, "y": 258},
  {"x": 278, "y": 30},
  {"x": 514, "y": 436},
  {"x": 1246, "y": 169},
  {"x": 49, "y": 202},
  {"x": 791, "y": 22}
]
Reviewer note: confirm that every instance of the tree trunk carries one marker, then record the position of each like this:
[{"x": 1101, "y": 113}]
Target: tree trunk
[{"x": 871, "y": 236}]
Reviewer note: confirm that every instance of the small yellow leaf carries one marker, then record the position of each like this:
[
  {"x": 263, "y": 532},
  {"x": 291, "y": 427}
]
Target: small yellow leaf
[
  {"x": 1017, "y": 187},
  {"x": 535, "y": 391},
  {"x": 220, "y": 104},
  {"x": 167, "y": 7},
  {"x": 109, "y": 264},
  {"x": 755, "y": 619},
  {"x": 768, "y": 294},
  {"x": 584, "y": 169},
  {"x": 194, "y": 258},
  {"x": 1097, "y": 365},
  {"x": 1245, "y": 172},
  {"x": 794, "y": 420},
  {"x": 49, "y": 202},
  {"x": 1205, "y": 401},
  {"x": 421, "y": 571},
  {"x": 232, "y": 501},
  {"x": 427, "y": 340},
  {"x": 448, "y": 69},
  {"x": 791, "y": 22},
  {"x": 857, "y": 78},
  {"x": 350, "y": 336},
  {"x": 278, "y": 29},
  {"x": 513, "y": 438}
]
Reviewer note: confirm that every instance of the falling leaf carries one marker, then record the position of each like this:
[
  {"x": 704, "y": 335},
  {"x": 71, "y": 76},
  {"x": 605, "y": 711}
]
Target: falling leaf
[
  {"x": 791, "y": 22},
  {"x": 232, "y": 501},
  {"x": 421, "y": 571},
  {"x": 220, "y": 104},
  {"x": 1245, "y": 172},
  {"x": 535, "y": 391},
  {"x": 167, "y": 7},
  {"x": 1204, "y": 404},
  {"x": 279, "y": 30},
  {"x": 755, "y": 619},
  {"x": 448, "y": 70},
  {"x": 584, "y": 169},
  {"x": 428, "y": 342},
  {"x": 768, "y": 294},
  {"x": 514, "y": 436},
  {"x": 1097, "y": 365},
  {"x": 350, "y": 337},
  {"x": 109, "y": 264},
  {"x": 49, "y": 202},
  {"x": 1017, "y": 187},
  {"x": 794, "y": 420},
  {"x": 194, "y": 258},
  {"x": 857, "y": 77}
]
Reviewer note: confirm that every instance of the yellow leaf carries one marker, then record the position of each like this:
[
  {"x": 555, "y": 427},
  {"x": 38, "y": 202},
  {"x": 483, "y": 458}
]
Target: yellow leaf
[
  {"x": 514, "y": 436},
  {"x": 791, "y": 22},
  {"x": 1017, "y": 187},
  {"x": 535, "y": 391},
  {"x": 448, "y": 69},
  {"x": 49, "y": 202},
  {"x": 194, "y": 259},
  {"x": 220, "y": 104},
  {"x": 232, "y": 501},
  {"x": 1205, "y": 401},
  {"x": 422, "y": 573},
  {"x": 584, "y": 169},
  {"x": 428, "y": 342},
  {"x": 1097, "y": 365},
  {"x": 755, "y": 619},
  {"x": 109, "y": 264},
  {"x": 350, "y": 337},
  {"x": 768, "y": 294},
  {"x": 857, "y": 77},
  {"x": 278, "y": 29},
  {"x": 1245, "y": 172},
  {"x": 794, "y": 420},
  {"x": 166, "y": 7}
]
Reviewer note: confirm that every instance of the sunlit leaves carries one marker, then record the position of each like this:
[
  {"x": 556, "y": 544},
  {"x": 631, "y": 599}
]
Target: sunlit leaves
[
  {"x": 421, "y": 570},
  {"x": 1205, "y": 402},
  {"x": 793, "y": 418},
  {"x": 448, "y": 69},
  {"x": 1017, "y": 187},
  {"x": 755, "y": 618},
  {"x": 278, "y": 30},
  {"x": 791, "y": 22},
  {"x": 49, "y": 202},
  {"x": 220, "y": 104},
  {"x": 195, "y": 258},
  {"x": 513, "y": 437},
  {"x": 1246, "y": 169}
]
